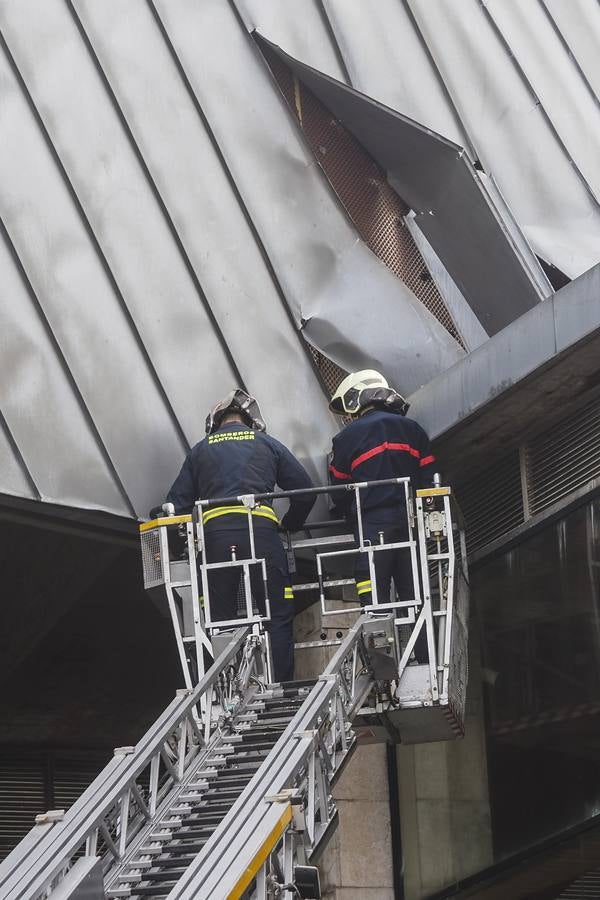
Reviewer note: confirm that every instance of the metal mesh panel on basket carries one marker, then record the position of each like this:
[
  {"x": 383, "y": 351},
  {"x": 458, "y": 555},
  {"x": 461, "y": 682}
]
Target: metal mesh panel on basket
[
  {"x": 362, "y": 187},
  {"x": 151, "y": 558}
]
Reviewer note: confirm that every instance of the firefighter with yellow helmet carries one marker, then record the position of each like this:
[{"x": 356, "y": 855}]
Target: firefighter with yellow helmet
[{"x": 379, "y": 442}]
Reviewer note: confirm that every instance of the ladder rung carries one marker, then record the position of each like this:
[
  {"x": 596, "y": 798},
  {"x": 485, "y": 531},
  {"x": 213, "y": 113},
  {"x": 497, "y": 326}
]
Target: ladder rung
[
  {"x": 166, "y": 875},
  {"x": 171, "y": 861},
  {"x": 155, "y": 890},
  {"x": 162, "y": 835},
  {"x": 140, "y": 864}
]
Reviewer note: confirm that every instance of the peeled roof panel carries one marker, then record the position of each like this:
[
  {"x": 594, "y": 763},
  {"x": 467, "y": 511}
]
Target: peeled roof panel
[
  {"x": 338, "y": 291},
  {"x": 434, "y": 177},
  {"x": 452, "y": 67},
  {"x": 513, "y": 137},
  {"x": 41, "y": 409},
  {"x": 167, "y": 260}
]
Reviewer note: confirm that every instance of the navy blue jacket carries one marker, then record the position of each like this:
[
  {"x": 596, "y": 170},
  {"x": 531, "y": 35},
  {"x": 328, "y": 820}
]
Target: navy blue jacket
[
  {"x": 237, "y": 460},
  {"x": 380, "y": 445}
]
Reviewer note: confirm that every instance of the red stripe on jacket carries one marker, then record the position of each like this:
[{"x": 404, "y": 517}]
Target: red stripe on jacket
[
  {"x": 387, "y": 445},
  {"x": 427, "y": 460},
  {"x": 337, "y": 474}
]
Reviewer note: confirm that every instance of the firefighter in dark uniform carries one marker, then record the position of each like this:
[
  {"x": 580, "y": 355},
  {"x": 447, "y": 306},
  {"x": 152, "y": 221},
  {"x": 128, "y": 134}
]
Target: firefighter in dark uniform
[
  {"x": 238, "y": 457},
  {"x": 380, "y": 442}
]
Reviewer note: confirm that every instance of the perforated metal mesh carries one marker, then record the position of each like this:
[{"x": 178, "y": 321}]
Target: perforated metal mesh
[
  {"x": 331, "y": 373},
  {"x": 33, "y": 781},
  {"x": 361, "y": 185},
  {"x": 151, "y": 559}
]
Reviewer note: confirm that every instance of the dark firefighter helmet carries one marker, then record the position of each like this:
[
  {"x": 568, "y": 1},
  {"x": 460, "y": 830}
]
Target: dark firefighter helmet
[
  {"x": 240, "y": 402},
  {"x": 360, "y": 390}
]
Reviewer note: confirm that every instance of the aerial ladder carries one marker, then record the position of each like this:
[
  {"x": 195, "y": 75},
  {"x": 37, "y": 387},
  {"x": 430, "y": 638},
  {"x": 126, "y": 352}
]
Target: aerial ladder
[{"x": 229, "y": 793}]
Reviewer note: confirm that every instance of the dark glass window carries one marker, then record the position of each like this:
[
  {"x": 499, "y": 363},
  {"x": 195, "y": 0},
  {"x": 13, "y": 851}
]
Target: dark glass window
[{"x": 540, "y": 638}]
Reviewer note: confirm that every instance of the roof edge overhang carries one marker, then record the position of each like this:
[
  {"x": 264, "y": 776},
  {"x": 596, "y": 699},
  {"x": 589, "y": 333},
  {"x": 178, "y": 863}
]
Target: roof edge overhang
[
  {"x": 95, "y": 524},
  {"x": 547, "y": 359}
]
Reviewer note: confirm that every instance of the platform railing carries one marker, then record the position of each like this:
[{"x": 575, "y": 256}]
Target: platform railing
[{"x": 423, "y": 618}]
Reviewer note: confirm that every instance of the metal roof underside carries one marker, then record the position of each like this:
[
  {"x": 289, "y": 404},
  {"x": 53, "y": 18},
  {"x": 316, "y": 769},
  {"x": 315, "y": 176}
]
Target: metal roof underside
[
  {"x": 165, "y": 236},
  {"x": 166, "y": 233}
]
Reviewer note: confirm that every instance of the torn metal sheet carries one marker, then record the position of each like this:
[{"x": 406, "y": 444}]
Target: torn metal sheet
[
  {"x": 338, "y": 291},
  {"x": 168, "y": 238},
  {"x": 478, "y": 74},
  {"x": 516, "y": 140},
  {"x": 471, "y": 331},
  {"x": 434, "y": 177}
]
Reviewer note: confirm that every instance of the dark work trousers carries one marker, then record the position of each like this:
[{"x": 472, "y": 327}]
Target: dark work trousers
[
  {"x": 224, "y": 585},
  {"x": 390, "y": 565}
]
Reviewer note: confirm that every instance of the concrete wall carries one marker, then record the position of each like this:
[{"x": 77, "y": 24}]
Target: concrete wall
[
  {"x": 444, "y": 803},
  {"x": 357, "y": 863},
  {"x": 444, "y": 806}
]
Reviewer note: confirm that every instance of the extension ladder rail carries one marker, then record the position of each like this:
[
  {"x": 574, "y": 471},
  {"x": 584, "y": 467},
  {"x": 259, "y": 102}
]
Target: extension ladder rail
[
  {"x": 289, "y": 802},
  {"x": 229, "y": 792},
  {"x": 276, "y": 747},
  {"x": 109, "y": 814}
]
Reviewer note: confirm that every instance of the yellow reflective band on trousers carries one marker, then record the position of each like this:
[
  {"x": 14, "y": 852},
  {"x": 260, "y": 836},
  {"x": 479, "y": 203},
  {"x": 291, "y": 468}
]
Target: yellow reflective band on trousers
[
  {"x": 264, "y": 512},
  {"x": 363, "y": 587},
  {"x": 288, "y": 594}
]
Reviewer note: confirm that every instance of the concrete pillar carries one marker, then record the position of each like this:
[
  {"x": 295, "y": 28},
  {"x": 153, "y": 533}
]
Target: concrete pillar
[
  {"x": 357, "y": 864},
  {"x": 443, "y": 798},
  {"x": 444, "y": 803}
]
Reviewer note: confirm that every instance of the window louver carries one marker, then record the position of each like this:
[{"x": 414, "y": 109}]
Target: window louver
[
  {"x": 32, "y": 782},
  {"x": 584, "y": 888},
  {"x": 564, "y": 458},
  {"x": 22, "y": 797},
  {"x": 492, "y": 502}
]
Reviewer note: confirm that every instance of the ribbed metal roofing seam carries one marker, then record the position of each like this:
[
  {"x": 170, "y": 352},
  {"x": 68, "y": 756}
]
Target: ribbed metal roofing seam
[{"x": 165, "y": 236}]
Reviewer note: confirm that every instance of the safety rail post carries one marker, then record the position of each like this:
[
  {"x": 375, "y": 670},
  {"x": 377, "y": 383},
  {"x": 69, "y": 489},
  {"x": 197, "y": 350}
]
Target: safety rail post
[{"x": 437, "y": 526}]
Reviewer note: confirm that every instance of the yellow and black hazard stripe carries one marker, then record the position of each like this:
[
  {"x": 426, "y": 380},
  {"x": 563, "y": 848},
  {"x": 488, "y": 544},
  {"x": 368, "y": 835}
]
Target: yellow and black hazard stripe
[
  {"x": 363, "y": 587},
  {"x": 264, "y": 512}
]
